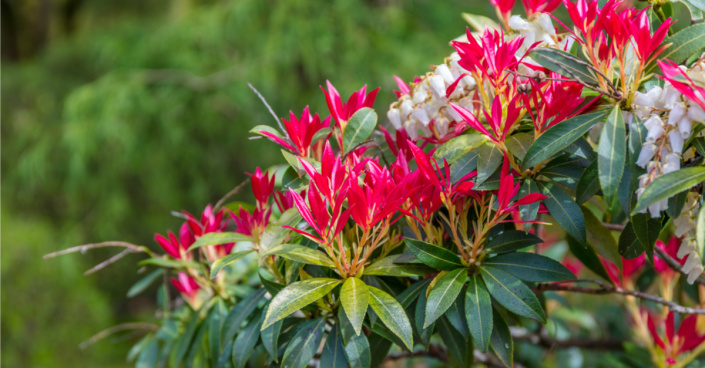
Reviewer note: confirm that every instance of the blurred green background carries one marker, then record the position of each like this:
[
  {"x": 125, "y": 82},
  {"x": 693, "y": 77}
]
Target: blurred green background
[{"x": 117, "y": 112}]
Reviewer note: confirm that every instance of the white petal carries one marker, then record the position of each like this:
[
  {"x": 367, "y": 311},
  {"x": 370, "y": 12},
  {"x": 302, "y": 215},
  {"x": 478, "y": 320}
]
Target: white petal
[{"x": 394, "y": 116}]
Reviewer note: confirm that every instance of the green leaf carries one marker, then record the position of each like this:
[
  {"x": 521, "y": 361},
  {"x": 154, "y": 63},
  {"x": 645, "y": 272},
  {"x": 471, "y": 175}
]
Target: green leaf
[
  {"x": 270, "y": 338},
  {"x": 355, "y": 296},
  {"x": 239, "y": 313},
  {"x": 227, "y": 260},
  {"x": 456, "y": 315},
  {"x": 531, "y": 267},
  {"x": 196, "y": 346},
  {"x": 359, "y": 128},
  {"x": 611, "y": 153},
  {"x": 669, "y": 185},
  {"x": 565, "y": 170},
  {"x": 392, "y": 314},
  {"x": 696, "y": 9},
  {"x": 433, "y": 256},
  {"x": 581, "y": 148},
  {"x": 184, "y": 341},
  {"x": 528, "y": 212},
  {"x": 379, "y": 347},
  {"x": 685, "y": 43},
  {"x": 510, "y": 241},
  {"x": 519, "y": 143},
  {"x": 676, "y": 203},
  {"x": 272, "y": 287},
  {"x": 333, "y": 354},
  {"x": 387, "y": 267},
  {"x": 218, "y": 239},
  {"x": 587, "y": 256},
  {"x": 565, "y": 64},
  {"x": 275, "y": 233},
  {"x": 258, "y": 129},
  {"x": 588, "y": 185},
  {"x": 303, "y": 346},
  {"x": 699, "y": 144},
  {"x": 629, "y": 245},
  {"x": 558, "y": 137},
  {"x": 292, "y": 180},
  {"x": 601, "y": 239},
  {"x": 637, "y": 137},
  {"x": 409, "y": 294},
  {"x": 419, "y": 318},
  {"x": 167, "y": 263},
  {"x": 564, "y": 209},
  {"x": 646, "y": 230},
  {"x": 215, "y": 321},
  {"x": 480, "y": 22},
  {"x": 357, "y": 352},
  {"x": 700, "y": 232},
  {"x": 444, "y": 293},
  {"x": 459, "y": 348},
  {"x": 301, "y": 254},
  {"x": 149, "y": 355},
  {"x": 513, "y": 294},
  {"x": 501, "y": 340},
  {"x": 478, "y": 312},
  {"x": 490, "y": 159},
  {"x": 144, "y": 283},
  {"x": 461, "y": 154},
  {"x": 296, "y": 296},
  {"x": 245, "y": 343}
]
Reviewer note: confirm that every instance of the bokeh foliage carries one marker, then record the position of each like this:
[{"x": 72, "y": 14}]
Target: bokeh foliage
[{"x": 127, "y": 112}]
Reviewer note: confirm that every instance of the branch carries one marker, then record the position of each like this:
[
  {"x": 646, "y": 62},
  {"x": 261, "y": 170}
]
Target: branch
[
  {"x": 613, "y": 227},
  {"x": 271, "y": 111},
  {"x": 109, "y": 261},
  {"x": 83, "y": 248},
  {"x": 548, "y": 342},
  {"x": 231, "y": 193},
  {"x": 121, "y": 327},
  {"x": 675, "y": 265},
  {"x": 611, "y": 289}
]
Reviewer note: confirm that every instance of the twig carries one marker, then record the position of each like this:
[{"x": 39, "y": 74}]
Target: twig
[
  {"x": 231, "y": 193},
  {"x": 85, "y": 247},
  {"x": 121, "y": 327},
  {"x": 548, "y": 342},
  {"x": 675, "y": 265},
  {"x": 613, "y": 227},
  {"x": 611, "y": 289},
  {"x": 109, "y": 261},
  {"x": 271, "y": 111}
]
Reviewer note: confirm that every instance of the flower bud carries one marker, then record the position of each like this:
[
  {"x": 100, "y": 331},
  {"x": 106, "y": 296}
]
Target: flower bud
[
  {"x": 695, "y": 273},
  {"x": 444, "y": 72},
  {"x": 654, "y": 125},
  {"x": 406, "y": 108},
  {"x": 438, "y": 86},
  {"x": 394, "y": 116},
  {"x": 676, "y": 114},
  {"x": 676, "y": 140},
  {"x": 420, "y": 114},
  {"x": 518, "y": 24},
  {"x": 668, "y": 97},
  {"x": 696, "y": 113},
  {"x": 649, "y": 98},
  {"x": 685, "y": 126}
]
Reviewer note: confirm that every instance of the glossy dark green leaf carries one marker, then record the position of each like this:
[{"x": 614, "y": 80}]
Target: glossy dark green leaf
[
  {"x": 531, "y": 267},
  {"x": 637, "y": 137},
  {"x": 293, "y": 180},
  {"x": 519, "y": 143},
  {"x": 379, "y": 347},
  {"x": 444, "y": 293},
  {"x": 513, "y": 294},
  {"x": 359, "y": 128},
  {"x": 501, "y": 340},
  {"x": 196, "y": 346},
  {"x": 218, "y": 239},
  {"x": 392, "y": 314},
  {"x": 564, "y": 209},
  {"x": 686, "y": 42},
  {"x": 272, "y": 287},
  {"x": 699, "y": 144},
  {"x": 478, "y": 312},
  {"x": 565, "y": 64},
  {"x": 185, "y": 339},
  {"x": 461, "y": 153},
  {"x": 215, "y": 322},
  {"x": 333, "y": 354},
  {"x": 627, "y": 186},
  {"x": 433, "y": 256},
  {"x": 510, "y": 241},
  {"x": 227, "y": 260},
  {"x": 647, "y": 230},
  {"x": 296, "y": 296},
  {"x": 601, "y": 239},
  {"x": 275, "y": 233},
  {"x": 460, "y": 349},
  {"x": 148, "y": 356},
  {"x": 144, "y": 283},
  {"x": 587, "y": 255},
  {"x": 419, "y": 318},
  {"x": 558, "y": 137},
  {"x": 225, "y": 356},
  {"x": 239, "y": 313},
  {"x": 270, "y": 338},
  {"x": 565, "y": 170},
  {"x": 581, "y": 148},
  {"x": 357, "y": 352},
  {"x": 669, "y": 185},
  {"x": 612, "y": 153},
  {"x": 387, "y": 267},
  {"x": 629, "y": 245},
  {"x": 305, "y": 343},
  {"x": 245, "y": 342},
  {"x": 301, "y": 254},
  {"x": 528, "y": 212},
  {"x": 456, "y": 315},
  {"x": 588, "y": 184},
  {"x": 354, "y": 297},
  {"x": 409, "y": 294},
  {"x": 676, "y": 203},
  {"x": 490, "y": 159}
]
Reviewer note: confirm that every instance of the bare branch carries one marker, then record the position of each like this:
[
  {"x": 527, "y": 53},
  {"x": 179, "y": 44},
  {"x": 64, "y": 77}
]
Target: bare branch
[
  {"x": 271, "y": 111},
  {"x": 83, "y": 248},
  {"x": 613, "y": 227},
  {"x": 121, "y": 327},
  {"x": 611, "y": 289},
  {"x": 109, "y": 261},
  {"x": 231, "y": 193},
  {"x": 548, "y": 342}
]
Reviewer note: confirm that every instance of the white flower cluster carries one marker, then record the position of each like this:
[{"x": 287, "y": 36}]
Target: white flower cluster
[
  {"x": 686, "y": 227},
  {"x": 669, "y": 118},
  {"x": 427, "y": 101}
]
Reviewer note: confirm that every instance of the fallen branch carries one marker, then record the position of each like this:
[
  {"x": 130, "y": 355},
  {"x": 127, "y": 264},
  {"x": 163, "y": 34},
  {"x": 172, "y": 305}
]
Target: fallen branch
[{"x": 612, "y": 289}]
